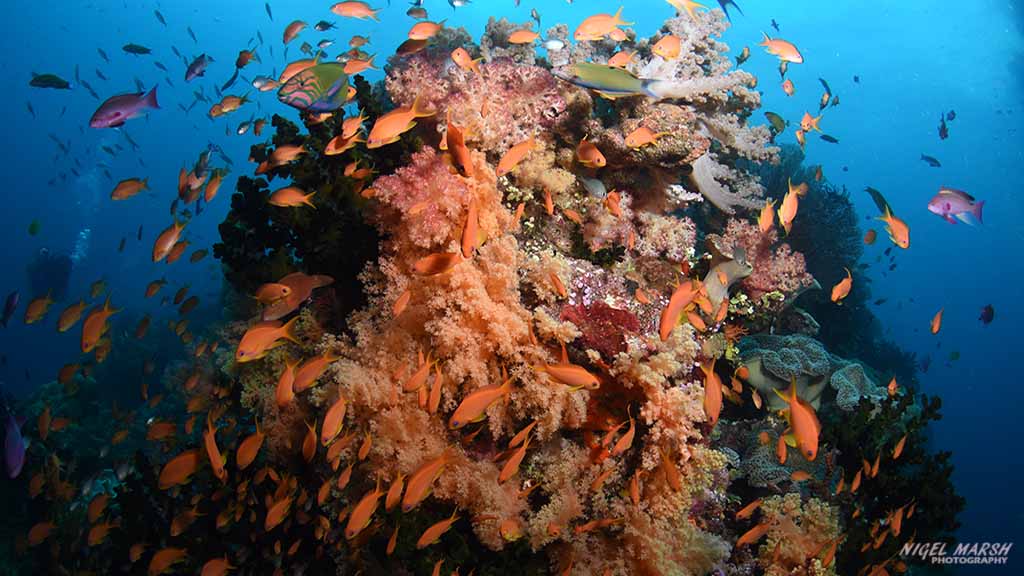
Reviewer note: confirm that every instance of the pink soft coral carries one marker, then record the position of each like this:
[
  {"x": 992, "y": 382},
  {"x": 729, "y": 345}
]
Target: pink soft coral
[
  {"x": 503, "y": 105},
  {"x": 776, "y": 268}
]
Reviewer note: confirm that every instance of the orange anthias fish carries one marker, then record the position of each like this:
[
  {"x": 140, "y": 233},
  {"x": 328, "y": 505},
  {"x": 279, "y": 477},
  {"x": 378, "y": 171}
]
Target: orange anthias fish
[
  {"x": 291, "y": 197},
  {"x": 588, "y": 154},
  {"x": 682, "y": 296},
  {"x": 179, "y": 470},
  {"x": 127, "y": 188},
  {"x": 511, "y": 467},
  {"x": 284, "y": 393},
  {"x": 95, "y": 325},
  {"x": 899, "y": 447},
  {"x": 643, "y": 136},
  {"x": 333, "y": 421},
  {"x": 249, "y": 448},
  {"x": 766, "y": 220},
  {"x": 355, "y": 9},
  {"x": 473, "y": 407},
  {"x": 277, "y": 512},
  {"x": 712, "y": 392},
  {"x": 437, "y": 263},
  {"x": 70, "y": 316},
  {"x": 786, "y": 51},
  {"x": 301, "y": 288},
  {"x": 808, "y": 122},
  {"x": 523, "y": 37},
  {"x": 621, "y": 59},
  {"x": 434, "y": 532},
  {"x": 572, "y": 375},
  {"x": 936, "y": 324},
  {"x": 842, "y": 289},
  {"x": 363, "y": 512},
  {"x": 458, "y": 151},
  {"x": 514, "y": 156},
  {"x": 668, "y": 47},
  {"x": 310, "y": 371},
  {"x": 425, "y": 30},
  {"x": 164, "y": 559},
  {"x": 166, "y": 241},
  {"x": 292, "y": 30},
  {"x": 788, "y": 87},
  {"x": 351, "y": 126},
  {"x": 262, "y": 338},
  {"x": 213, "y": 452},
  {"x": 37, "y": 309},
  {"x": 216, "y": 567},
  {"x": 599, "y": 25},
  {"x": 804, "y": 422},
  {"x": 418, "y": 486},
  {"x": 790, "y": 205},
  {"x": 390, "y": 127},
  {"x": 465, "y": 61},
  {"x": 898, "y": 230},
  {"x": 870, "y": 236},
  {"x": 356, "y": 66}
]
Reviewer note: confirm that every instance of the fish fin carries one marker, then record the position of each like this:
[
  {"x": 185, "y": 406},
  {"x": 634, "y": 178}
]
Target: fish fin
[
  {"x": 150, "y": 99},
  {"x": 288, "y": 330},
  {"x": 976, "y": 211},
  {"x": 949, "y": 219}
]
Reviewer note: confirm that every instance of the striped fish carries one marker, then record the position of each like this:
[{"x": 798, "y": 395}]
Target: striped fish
[{"x": 320, "y": 88}]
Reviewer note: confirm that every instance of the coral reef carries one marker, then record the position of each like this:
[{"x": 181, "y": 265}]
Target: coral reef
[{"x": 564, "y": 365}]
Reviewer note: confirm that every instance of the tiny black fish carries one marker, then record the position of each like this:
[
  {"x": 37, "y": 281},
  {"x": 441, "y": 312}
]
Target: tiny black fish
[
  {"x": 931, "y": 161},
  {"x": 829, "y": 139},
  {"x": 881, "y": 301},
  {"x": 988, "y": 313},
  {"x": 943, "y": 129}
]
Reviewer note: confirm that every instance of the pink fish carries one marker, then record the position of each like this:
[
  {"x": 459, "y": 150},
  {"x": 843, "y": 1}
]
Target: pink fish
[{"x": 953, "y": 205}]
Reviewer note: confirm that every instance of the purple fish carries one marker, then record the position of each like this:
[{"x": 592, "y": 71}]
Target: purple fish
[
  {"x": 197, "y": 68},
  {"x": 950, "y": 203},
  {"x": 119, "y": 109},
  {"x": 14, "y": 446},
  {"x": 10, "y": 307}
]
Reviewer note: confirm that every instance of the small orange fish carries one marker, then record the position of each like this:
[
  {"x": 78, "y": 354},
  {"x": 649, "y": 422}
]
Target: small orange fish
[
  {"x": 936, "y": 323},
  {"x": 437, "y": 263},
  {"x": 179, "y": 470},
  {"x": 588, "y": 154},
  {"x": 842, "y": 289},
  {"x": 390, "y": 127},
  {"x": 355, "y": 9},
  {"x": 598, "y": 26},
  {"x": 899, "y": 447},
  {"x": 70, "y": 316},
  {"x": 95, "y": 325},
  {"x": 790, "y": 205},
  {"x": 351, "y": 126},
  {"x": 333, "y": 421},
  {"x": 643, "y": 136},
  {"x": 216, "y": 567},
  {"x": 363, "y": 511},
  {"x": 249, "y": 448},
  {"x": 898, "y": 230},
  {"x": 800, "y": 476},
  {"x": 785, "y": 51},
  {"x": 164, "y": 559},
  {"x": 748, "y": 510},
  {"x": 213, "y": 452},
  {"x": 514, "y": 156},
  {"x": 465, "y": 61},
  {"x": 433, "y": 533},
  {"x": 893, "y": 387},
  {"x": 808, "y": 122},
  {"x": 394, "y": 495},
  {"x": 277, "y": 512},
  {"x": 712, "y": 392},
  {"x": 473, "y": 407},
  {"x": 356, "y": 66},
  {"x": 681, "y": 297},
  {"x": 788, "y": 87},
  {"x": 420, "y": 481},
  {"x": 37, "y": 309},
  {"x": 752, "y": 535},
  {"x": 425, "y": 30},
  {"x": 804, "y": 422},
  {"x": 310, "y": 371},
  {"x": 668, "y": 47},
  {"x": 291, "y": 197},
  {"x": 870, "y": 236},
  {"x": 621, "y": 59},
  {"x": 166, "y": 240},
  {"x": 263, "y": 337},
  {"x": 523, "y": 37}
]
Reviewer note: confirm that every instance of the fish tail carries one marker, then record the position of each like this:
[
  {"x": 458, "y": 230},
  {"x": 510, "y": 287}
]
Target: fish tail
[
  {"x": 976, "y": 211},
  {"x": 150, "y": 99},
  {"x": 618, "y": 18},
  {"x": 288, "y": 330},
  {"x": 306, "y": 201}
]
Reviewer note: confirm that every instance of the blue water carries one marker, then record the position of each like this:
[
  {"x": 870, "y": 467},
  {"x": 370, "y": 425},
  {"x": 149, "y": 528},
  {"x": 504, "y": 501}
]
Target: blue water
[{"x": 916, "y": 59}]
